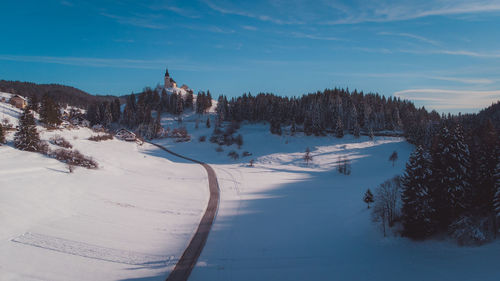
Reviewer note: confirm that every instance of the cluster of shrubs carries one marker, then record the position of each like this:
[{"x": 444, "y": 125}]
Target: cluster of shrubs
[
  {"x": 227, "y": 137},
  {"x": 235, "y": 155},
  {"x": 101, "y": 137},
  {"x": 60, "y": 141},
  {"x": 180, "y": 134},
  {"x": 74, "y": 158}
]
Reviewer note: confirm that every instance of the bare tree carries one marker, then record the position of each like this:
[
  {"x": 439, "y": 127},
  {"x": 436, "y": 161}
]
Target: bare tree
[
  {"x": 307, "y": 156},
  {"x": 387, "y": 205}
]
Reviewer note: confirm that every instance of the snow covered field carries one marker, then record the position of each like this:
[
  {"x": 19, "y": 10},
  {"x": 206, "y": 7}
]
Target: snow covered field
[
  {"x": 131, "y": 218},
  {"x": 285, "y": 220},
  {"x": 279, "y": 220}
]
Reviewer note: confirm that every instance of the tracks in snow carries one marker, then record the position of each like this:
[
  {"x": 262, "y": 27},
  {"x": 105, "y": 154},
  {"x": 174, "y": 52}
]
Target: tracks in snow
[{"x": 187, "y": 262}]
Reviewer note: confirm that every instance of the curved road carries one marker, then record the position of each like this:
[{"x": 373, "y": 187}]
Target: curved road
[{"x": 188, "y": 259}]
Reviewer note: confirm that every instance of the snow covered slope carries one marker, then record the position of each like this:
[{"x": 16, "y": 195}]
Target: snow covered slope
[
  {"x": 285, "y": 220},
  {"x": 130, "y": 218}
]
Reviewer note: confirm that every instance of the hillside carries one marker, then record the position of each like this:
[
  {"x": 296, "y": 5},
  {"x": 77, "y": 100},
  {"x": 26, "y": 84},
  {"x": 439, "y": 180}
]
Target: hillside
[
  {"x": 132, "y": 217},
  {"x": 60, "y": 93}
]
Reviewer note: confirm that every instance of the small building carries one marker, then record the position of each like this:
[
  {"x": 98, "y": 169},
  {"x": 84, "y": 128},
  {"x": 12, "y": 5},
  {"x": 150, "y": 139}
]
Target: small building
[
  {"x": 125, "y": 135},
  {"x": 18, "y": 101}
]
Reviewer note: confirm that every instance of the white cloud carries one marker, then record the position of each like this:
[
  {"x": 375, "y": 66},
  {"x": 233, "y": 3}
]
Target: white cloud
[
  {"x": 412, "y": 36},
  {"x": 249, "y": 27},
  {"x": 315, "y": 37},
  {"x": 443, "y": 99},
  {"x": 257, "y": 16},
  {"x": 387, "y": 11},
  {"x": 114, "y": 62},
  {"x": 138, "y": 20},
  {"x": 178, "y": 10},
  {"x": 463, "y": 80}
]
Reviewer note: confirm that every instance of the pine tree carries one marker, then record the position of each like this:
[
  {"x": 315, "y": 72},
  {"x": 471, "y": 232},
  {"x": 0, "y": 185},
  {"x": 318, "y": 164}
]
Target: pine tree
[
  {"x": 417, "y": 210},
  {"x": 33, "y": 103},
  {"x": 115, "y": 110},
  {"x": 485, "y": 161},
  {"x": 50, "y": 113},
  {"x": 26, "y": 137},
  {"x": 2, "y": 135},
  {"x": 339, "y": 129},
  {"x": 450, "y": 180},
  {"x": 356, "y": 130},
  {"x": 393, "y": 157},
  {"x": 130, "y": 112},
  {"x": 188, "y": 103},
  {"x": 368, "y": 198},
  {"x": 179, "y": 108},
  {"x": 496, "y": 200}
]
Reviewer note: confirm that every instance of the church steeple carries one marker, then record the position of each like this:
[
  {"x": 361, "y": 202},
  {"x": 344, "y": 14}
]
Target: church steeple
[{"x": 166, "y": 73}]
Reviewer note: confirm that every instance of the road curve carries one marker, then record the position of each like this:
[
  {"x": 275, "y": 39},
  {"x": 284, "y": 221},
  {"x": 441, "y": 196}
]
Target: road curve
[{"x": 188, "y": 259}]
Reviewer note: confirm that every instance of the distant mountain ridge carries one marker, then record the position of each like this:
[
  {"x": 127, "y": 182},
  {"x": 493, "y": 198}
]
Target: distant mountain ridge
[{"x": 60, "y": 93}]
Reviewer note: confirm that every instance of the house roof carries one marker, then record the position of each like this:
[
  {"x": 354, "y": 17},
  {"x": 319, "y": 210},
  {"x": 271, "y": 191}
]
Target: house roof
[{"x": 18, "y": 96}]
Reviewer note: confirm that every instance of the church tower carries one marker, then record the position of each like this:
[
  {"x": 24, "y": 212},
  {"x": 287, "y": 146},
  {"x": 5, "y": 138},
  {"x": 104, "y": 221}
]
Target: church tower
[{"x": 169, "y": 82}]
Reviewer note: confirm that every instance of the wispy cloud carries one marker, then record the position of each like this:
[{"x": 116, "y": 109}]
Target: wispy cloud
[
  {"x": 209, "y": 28},
  {"x": 412, "y": 36},
  {"x": 444, "y": 99},
  {"x": 67, "y": 3},
  {"x": 470, "y": 54},
  {"x": 175, "y": 64},
  {"x": 178, "y": 10},
  {"x": 249, "y": 27},
  {"x": 463, "y": 80},
  {"x": 144, "y": 21},
  {"x": 315, "y": 36},
  {"x": 88, "y": 61},
  {"x": 387, "y": 11},
  {"x": 261, "y": 17}
]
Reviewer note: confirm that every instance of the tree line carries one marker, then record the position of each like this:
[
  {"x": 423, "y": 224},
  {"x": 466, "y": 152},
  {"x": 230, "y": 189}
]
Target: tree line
[
  {"x": 452, "y": 181},
  {"x": 333, "y": 111}
]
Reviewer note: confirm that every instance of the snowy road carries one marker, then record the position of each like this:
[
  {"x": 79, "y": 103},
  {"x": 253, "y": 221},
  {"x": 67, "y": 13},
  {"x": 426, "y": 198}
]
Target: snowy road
[{"x": 193, "y": 251}]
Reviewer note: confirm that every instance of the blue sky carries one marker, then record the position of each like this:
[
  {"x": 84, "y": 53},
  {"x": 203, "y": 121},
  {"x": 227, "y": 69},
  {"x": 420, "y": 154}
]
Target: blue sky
[{"x": 441, "y": 54}]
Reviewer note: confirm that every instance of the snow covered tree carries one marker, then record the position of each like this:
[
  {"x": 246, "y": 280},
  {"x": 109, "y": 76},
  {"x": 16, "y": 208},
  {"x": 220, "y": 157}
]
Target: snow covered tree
[
  {"x": 450, "y": 179},
  {"x": 485, "y": 152},
  {"x": 179, "y": 108},
  {"x": 115, "y": 110},
  {"x": 26, "y": 137},
  {"x": 393, "y": 157},
  {"x": 188, "y": 103},
  {"x": 339, "y": 129},
  {"x": 356, "y": 130},
  {"x": 496, "y": 199},
  {"x": 417, "y": 210},
  {"x": 368, "y": 198}
]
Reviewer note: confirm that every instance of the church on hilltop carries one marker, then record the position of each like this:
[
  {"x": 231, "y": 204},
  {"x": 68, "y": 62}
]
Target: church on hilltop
[
  {"x": 172, "y": 85},
  {"x": 169, "y": 81}
]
